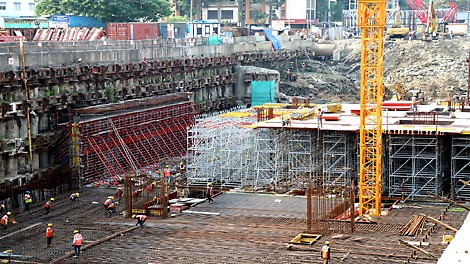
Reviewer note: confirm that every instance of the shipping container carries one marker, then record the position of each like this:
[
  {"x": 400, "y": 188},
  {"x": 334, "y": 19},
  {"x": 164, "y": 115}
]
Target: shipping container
[
  {"x": 89, "y": 22},
  {"x": 172, "y": 30},
  {"x": 131, "y": 31}
]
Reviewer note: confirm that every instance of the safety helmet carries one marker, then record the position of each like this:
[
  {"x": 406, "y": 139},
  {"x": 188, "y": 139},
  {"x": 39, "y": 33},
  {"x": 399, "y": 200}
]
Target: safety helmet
[
  {"x": 181, "y": 163},
  {"x": 75, "y": 231},
  {"x": 49, "y": 224},
  {"x": 3, "y": 206},
  {"x": 209, "y": 184},
  {"x": 133, "y": 216},
  {"x": 52, "y": 199},
  {"x": 167, "y": 166},
  {"x": 327, "y": 242},
  {"x": 110, "y": 197},
  {"x": 77, "y": 194},
  {"x": 119, "y": 188},
  {"x": 9, "y": 213},
  {"x": 27, "y": 192}
]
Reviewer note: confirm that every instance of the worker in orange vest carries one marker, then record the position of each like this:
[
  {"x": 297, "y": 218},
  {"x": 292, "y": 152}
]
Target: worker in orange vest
[
  {"x": 167, "y": 173},
  {"x": 140, "y": 220},
  {"x": 414, "y": 103},
  {"x": 325, "y": 252},
  {"x": 77, "y": 243},
  {"x": 74, "y": 196},
  {"x": 47, "y": 205},
  {"x": 182, "y": 168},
  {"x": 49, "y": 234},
  {"x": 209, "y": 193},
  {"x": 4, "y": 220},
  {"x": 118, "y": 194}
]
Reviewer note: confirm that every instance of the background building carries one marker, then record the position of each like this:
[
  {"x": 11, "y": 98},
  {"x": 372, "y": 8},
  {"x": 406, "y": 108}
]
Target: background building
[{"x": 17, "y": 8}]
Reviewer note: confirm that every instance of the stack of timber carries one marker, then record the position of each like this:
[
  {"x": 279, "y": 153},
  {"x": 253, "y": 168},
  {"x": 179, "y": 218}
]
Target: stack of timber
[
  {"x": 413, "y": 227},
  {"x": 302, "y": 113}
]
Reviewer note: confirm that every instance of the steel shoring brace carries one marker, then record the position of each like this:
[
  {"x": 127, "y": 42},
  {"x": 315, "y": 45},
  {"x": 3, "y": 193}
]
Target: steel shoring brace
[{"x": 124, "y": 147}]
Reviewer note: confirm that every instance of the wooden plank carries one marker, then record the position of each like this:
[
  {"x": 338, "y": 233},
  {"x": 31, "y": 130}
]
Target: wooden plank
[
  {"x": 417, "y": 248},
  {"x": 441, "y": 223}
]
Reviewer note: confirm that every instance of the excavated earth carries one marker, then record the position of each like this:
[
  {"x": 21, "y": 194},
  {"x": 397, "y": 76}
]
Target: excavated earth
[
  {"x": 438, "y": 68},
  {"x": 251, "y": 228}
]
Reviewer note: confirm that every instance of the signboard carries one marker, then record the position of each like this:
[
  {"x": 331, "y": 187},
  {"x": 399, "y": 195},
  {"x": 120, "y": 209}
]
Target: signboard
[
  {"x": 278, "y": 24},
  {"x": 61, "y": 19}
]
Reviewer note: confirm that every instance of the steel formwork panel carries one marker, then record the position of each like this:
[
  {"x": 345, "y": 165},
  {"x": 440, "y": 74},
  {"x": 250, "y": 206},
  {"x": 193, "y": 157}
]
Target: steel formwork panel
[
  {"x": 135, "y": 141},
  {"x": 460, "y": 166},
  {"x": 414, "y": 165}
]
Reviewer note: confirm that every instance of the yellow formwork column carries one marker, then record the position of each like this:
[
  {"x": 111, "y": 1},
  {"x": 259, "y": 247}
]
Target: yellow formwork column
[{"x": 371, "y": 16}]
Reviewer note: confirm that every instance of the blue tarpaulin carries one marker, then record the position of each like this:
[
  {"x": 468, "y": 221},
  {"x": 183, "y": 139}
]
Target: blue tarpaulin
[
  {"x": 276, "y": 44},
  {"x": 263, "y": 92}
]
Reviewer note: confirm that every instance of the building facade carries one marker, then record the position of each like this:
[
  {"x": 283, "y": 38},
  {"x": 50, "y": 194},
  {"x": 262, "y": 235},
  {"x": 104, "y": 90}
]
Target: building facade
[{"x": 17, "y": 8}]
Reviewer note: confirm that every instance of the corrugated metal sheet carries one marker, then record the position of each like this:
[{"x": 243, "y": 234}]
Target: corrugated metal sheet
[{"x": 69, "y": 34}]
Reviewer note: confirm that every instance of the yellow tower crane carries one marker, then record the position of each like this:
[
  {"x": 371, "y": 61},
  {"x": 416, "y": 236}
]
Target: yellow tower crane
[{"x": 371, "y": 20}]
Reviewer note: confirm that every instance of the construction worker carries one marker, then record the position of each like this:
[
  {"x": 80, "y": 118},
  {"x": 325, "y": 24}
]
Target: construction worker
[
  {"x": 118, "y": 194},
  {"x": 74, "y": 196},
  {"x": 319, "y": 116},
  {"x": 77, "y": 243},
  {"x": 325, "y": 252},
  {"x": 5, "y": 219},
  {"x": 288, "y": 74},
  {"x": 49, "y": 234},
  {"x": 303, "y": 67},
  {"x": 414, "y": 103},
  {"x": 48, "y": 204},
  {"x": 167, "y": 172},
  {"x": 209, "y": 193},
  {"x": 27, "y": 201},
  {"x": 2, "y": 209},
  {"x": 109, "y": 205},
  {"x": 182, "y": 168},
  {"x": 140, "y": 220}
]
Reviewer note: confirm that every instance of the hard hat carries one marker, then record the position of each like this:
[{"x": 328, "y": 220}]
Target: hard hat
[
  {"x": 327, "y": 242},
  {"x": 75, "y": 231},
  {"x": 167, "y": 166},
  {"x": 209, "y": 183},
  {"x": 27, "y": 192},
  {"x": 49, "y": 224},
  {"x": 133, "y": 216},
  {"x": 77, "y": 194},
  {"x": 52, "y": 199},
  {"x": 3, "y": 206},
  {"x": 119, "y": 188},
  {"x": 110, "y": 197},
  {"x": 9, "y": 213},
  {"x": 181, "y": 163}
]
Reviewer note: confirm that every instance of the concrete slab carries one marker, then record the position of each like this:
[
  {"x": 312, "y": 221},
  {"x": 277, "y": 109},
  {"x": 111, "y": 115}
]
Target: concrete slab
[{"x": 458, "y": 251}]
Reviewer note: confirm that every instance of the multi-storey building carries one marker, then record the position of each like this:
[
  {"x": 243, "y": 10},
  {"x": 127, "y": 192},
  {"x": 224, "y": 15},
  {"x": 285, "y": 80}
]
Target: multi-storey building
[{"x": 17, "y": 8}]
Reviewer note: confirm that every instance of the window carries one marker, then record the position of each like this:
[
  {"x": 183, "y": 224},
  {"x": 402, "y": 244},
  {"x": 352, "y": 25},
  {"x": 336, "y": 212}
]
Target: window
[
  {"x": 17, "y": 6},
  {"x": 212, "y": 14},
  {"x": 32, "y": 6},
  {"x": 3, "y": 5},
  {"x": 227, "y": 14}
]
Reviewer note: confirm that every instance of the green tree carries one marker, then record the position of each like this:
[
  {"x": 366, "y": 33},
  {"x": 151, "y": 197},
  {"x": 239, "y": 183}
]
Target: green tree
[
  {"x": 273, "y": 5},
  {"x": 172, "y": 19},
  {"x": 108, "y": 10}
]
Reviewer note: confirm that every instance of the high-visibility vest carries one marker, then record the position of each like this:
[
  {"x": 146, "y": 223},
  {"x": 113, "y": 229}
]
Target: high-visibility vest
[
  {"x": 209, "y": 190},
  {"x": 28, "y": 199},
  {"x": 49, "y": 232},
  {"x": 142, "y": 217},
  {"x": 77, "y": 239},
  {"x": 325, "y": 252},
  {"x": 47, "y": 205},
  {"x": 107, "y": 202},
  {"x": 166, "y": 172},
  {"x": 4, "y": 220}
]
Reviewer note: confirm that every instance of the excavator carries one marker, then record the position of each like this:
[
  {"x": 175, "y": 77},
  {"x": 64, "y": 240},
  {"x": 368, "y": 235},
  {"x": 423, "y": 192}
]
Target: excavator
[
  {"x": 397, "y": 92},
  {"x": 397, "y": 31}
]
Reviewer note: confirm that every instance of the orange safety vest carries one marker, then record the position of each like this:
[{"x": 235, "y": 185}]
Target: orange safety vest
[
  {"x": 142, "y": 217},
  {"x": 166, "y": 172},
  {"x": 49, "y": 232},
  {"x": 47, "y": 205},
  {"x": 107, "y": 202},
  {"x": 77, "y": 240},
  {"x": 209, "y": 190},
  {"x": 325, "y": 252},
  {"x": 4, "y": 220}
]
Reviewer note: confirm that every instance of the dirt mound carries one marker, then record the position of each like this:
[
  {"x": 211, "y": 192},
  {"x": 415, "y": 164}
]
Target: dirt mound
[{"x": 438, "y": 68}]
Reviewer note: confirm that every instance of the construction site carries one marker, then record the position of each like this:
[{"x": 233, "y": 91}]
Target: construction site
[{"x": 359, "y": 144}]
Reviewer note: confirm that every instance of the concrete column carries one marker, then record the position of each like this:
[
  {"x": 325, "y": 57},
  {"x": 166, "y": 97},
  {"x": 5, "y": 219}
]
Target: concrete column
[
  {"x": 23, "y": 165},
  {"x": 24, "y": 128},
  {"x": 43, "y": 122},
  {"x": 43, "y": 159},
  {"x": 35, "y": 161},
  {"x": 34, "y": 126},
  {"x": 11, "y": 167},
  {"x": 2, "y": 130},
  {"x": 12, "y": 129},
  {"x": 2, "y": 168}
]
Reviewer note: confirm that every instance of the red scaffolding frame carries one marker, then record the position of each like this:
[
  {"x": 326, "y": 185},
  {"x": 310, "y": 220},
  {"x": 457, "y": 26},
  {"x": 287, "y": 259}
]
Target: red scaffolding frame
[{"x": 134, "y": 141}]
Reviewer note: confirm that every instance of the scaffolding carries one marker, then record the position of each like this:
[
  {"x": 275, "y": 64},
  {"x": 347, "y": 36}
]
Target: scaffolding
[
  {"x": 460, "y": 166},
  {"x": 339, "y": 160},
  {"x": 415, "y": 166},
  {"x": 270, "y": 154},
  {"x": 220, "y": 150},
  {"x": 301, "y": 156},
  {"x": 117, "y": 139}
]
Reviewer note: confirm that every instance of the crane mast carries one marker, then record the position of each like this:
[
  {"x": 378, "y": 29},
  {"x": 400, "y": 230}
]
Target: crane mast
[{"x": 371, "y": 20}]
